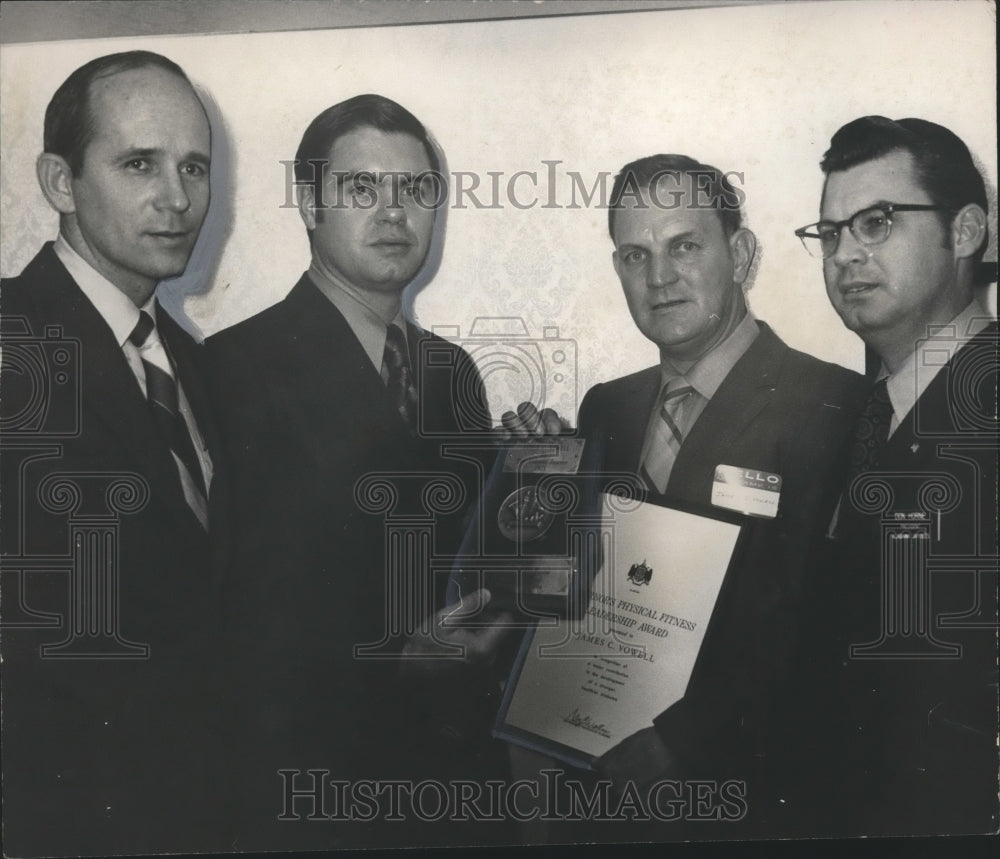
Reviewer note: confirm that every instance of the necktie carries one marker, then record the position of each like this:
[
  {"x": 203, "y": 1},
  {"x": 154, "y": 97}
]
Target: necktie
[
  {"x": 871, "y": 432},
  {"x": 399, "y": 379},
  {"x": 161, "y": 392},
  {"x": 667, "y": 435}
]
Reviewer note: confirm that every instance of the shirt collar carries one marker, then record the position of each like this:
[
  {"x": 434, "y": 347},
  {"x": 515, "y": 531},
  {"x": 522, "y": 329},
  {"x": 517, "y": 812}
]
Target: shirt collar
[
  {"x": 708, "y": 373},
  {"x": 933, "y": 352},
  {"x": 114, "y": 306},
  {"x": 366, "y": 324}
]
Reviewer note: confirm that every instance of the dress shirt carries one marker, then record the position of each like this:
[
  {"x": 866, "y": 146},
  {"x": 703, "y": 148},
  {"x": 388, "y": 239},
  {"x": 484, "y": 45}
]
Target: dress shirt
[
  {"x": 705, "y": 376},
  {"x": 909, "y": 382},
  {"x": 121, "y": 316},
  {"x": 368, "y": 326}
]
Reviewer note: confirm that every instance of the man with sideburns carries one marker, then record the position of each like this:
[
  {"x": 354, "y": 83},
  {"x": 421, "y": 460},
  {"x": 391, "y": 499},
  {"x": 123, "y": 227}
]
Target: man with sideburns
[
  {"x": 900, "y": 674},
  {"x": 318, "y": 391}
]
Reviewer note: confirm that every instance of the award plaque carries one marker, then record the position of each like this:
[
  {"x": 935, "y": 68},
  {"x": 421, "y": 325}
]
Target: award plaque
[{"x": 534, "y": 540}]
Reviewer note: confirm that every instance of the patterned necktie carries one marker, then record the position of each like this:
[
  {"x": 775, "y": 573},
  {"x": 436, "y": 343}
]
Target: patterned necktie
[
  {"x": 161, "y": 392},
  {"x": 399, "y": 378},
  {"x": 871, "y": 432},
  {"x": 667, "y": 436}
]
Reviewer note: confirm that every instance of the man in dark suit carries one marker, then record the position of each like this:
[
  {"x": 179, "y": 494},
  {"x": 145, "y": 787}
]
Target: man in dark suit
[
  {"x": 727, "y": 392},
  {"x": 112, "y": 500},
  {"x": 325, "y": 387},
  {"x": 904, "y": 660}
]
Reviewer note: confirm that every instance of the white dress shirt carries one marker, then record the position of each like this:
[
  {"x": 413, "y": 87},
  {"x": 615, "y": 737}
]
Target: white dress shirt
[{"x": 121, "y": 316}]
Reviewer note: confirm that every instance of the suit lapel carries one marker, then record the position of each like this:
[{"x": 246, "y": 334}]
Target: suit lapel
[
  {"x": 936, "y": 410},
  {"x": 740, "y": 399},
  {"x": 414, "y": 337},
  {"x": 626, "y": 438},
  {"x": 109, "y": 390},
  {"x": 435, "y": 394},
  {"x": 330, "y": 361},
  {"x": 903, "y": 447},
  {"x": 323, "y": 340}
]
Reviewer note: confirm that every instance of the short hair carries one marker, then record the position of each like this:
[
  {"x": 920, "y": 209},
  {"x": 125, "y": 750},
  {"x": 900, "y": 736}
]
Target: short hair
[
  {"x": 944, "y": 166},
  {"x": 361, "y": 111},
  {"x": 69, "y": 120},
  {"x": 641, "y": 175}
]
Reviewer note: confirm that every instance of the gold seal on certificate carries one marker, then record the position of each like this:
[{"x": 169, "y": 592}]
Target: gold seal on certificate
[{"x": 585, "y": 684}]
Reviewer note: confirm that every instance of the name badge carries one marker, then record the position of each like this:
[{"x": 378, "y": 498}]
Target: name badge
[
  {"x": 746, "y": 490},
  {"x": 548, "y": 455}
]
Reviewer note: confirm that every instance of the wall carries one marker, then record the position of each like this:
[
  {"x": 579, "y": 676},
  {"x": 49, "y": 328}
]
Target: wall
[{"x": 755, "y": 89}]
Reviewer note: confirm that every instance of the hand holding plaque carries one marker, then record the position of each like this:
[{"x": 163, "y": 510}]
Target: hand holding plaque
[
  {"x": 640, "y": 759},
  {"x": 527, "y": 421},
  {"x": 466, "y": 631}
]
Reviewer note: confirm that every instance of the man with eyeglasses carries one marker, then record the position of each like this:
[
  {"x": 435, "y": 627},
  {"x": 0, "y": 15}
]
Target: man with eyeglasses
[{"x": 903, "y": 655}]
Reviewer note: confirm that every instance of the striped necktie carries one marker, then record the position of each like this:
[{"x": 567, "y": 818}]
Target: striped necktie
[
  {"x": 161, "y": 392},
  {"x": 399, "y": 377},
  {"x": 667, "y": 435}
]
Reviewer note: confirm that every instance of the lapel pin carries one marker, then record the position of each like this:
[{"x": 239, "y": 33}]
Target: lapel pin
[{"x": 915, "y": 446}]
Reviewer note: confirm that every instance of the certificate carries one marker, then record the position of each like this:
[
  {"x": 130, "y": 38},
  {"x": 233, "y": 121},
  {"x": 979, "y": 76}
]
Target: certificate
[{"x": 581, "y": 686}]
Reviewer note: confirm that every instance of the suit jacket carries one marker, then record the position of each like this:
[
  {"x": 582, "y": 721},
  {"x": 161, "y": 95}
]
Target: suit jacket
[
  {"x": 109, "y": 753},
  {"x": 778, "y": 411},
  {"x": 306, "y": 415},
  {"x": 910, "y": 722}
]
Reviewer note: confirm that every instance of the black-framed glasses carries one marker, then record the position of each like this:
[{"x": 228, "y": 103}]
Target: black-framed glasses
[{"x": 870, "y": 226}]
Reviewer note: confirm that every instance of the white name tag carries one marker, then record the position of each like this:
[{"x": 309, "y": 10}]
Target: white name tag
[{"x": 746, "y": 490}]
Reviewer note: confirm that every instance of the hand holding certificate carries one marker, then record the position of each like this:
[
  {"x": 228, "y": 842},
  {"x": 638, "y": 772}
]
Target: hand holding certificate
[{"x": 582, "y": 686}]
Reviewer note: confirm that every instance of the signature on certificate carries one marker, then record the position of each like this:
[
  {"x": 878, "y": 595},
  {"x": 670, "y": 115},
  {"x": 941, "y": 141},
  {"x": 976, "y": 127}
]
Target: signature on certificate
[{"x": 585, "y": 722}]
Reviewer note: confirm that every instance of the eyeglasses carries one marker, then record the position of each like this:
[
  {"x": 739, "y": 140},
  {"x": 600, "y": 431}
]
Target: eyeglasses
[{"x": 870, "y": 226}]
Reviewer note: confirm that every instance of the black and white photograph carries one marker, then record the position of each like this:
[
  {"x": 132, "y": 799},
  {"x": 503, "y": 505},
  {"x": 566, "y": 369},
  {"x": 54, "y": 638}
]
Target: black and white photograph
[{"x": 468, "y": 425}]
